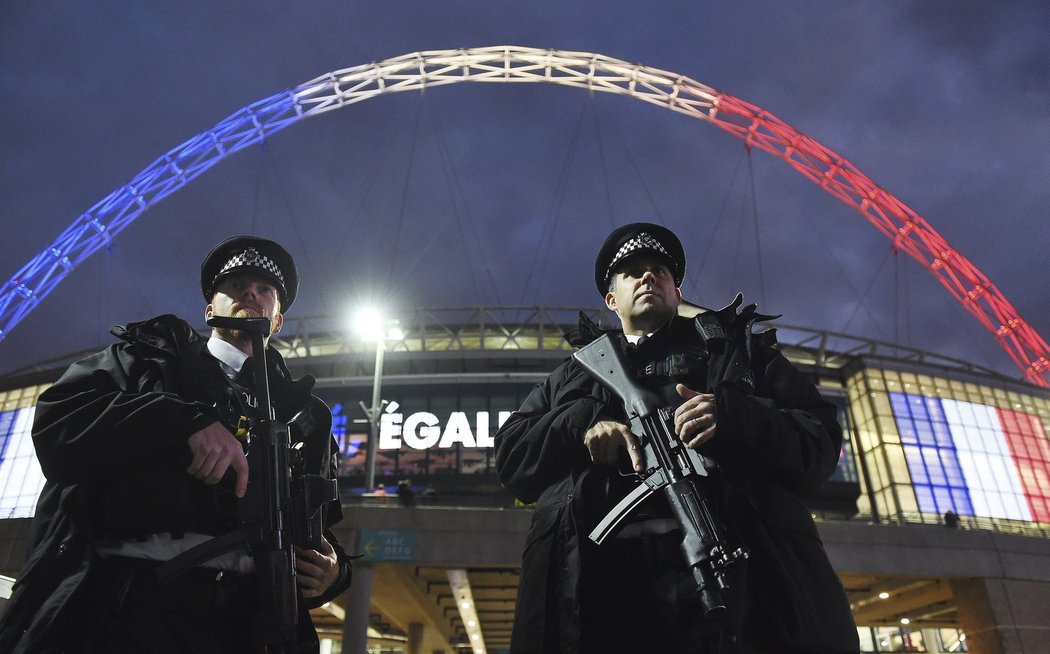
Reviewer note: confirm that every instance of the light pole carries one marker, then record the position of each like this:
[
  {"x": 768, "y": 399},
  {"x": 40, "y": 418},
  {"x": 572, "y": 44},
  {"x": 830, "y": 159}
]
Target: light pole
[
  {"x": 373, "y": 418},
  {"x": 372, "y": 325}
]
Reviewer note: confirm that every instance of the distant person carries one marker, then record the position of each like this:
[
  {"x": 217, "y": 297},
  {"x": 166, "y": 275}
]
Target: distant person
[
  {"x": 140, "y": 468},
  {"x": 739, "y": 402},
  {"x": 405, "y": 494}
]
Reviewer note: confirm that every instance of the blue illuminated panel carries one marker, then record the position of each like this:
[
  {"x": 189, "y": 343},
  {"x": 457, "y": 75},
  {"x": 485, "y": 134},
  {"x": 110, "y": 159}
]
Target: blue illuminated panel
[{"x": 933, "y": 460}]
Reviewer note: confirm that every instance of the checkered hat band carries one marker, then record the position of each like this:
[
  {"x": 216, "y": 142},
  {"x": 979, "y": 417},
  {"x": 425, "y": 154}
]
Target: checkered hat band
[
  {"x": 251, "y": 258},
  {"x": 644, "y": 240}
]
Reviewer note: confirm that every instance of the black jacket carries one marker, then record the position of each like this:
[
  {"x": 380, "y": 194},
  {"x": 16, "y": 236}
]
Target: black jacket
[
  {"x": 111, "y": 436},
  {"x": 776, "y": 441}
]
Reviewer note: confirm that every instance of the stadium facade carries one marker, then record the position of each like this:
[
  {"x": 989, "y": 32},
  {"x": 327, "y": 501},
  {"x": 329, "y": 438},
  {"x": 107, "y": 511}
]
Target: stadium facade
[{"x": 937, "y": 519}]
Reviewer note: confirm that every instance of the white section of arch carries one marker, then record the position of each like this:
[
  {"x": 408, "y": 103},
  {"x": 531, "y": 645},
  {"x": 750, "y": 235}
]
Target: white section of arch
[{"x": 503, "y": 64}]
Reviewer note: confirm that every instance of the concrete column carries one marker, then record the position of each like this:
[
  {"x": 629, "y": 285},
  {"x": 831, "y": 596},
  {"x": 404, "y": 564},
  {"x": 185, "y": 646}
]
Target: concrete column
[
  {"x": 358, "y": 611},
  {"x": 415, "y": 638},
  {"x": 977, "y": 616},
  {"x": 1003, "y": 616}
]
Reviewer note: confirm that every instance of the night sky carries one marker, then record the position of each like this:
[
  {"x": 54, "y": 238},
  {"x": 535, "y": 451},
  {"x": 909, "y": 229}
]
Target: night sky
[{"x": 500, "y": 194}]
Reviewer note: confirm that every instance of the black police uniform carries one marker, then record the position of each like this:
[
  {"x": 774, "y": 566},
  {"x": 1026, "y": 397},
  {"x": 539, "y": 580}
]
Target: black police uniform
[
  {"x": 111, "y": 437},
  {"x": 776, "y": 440}
]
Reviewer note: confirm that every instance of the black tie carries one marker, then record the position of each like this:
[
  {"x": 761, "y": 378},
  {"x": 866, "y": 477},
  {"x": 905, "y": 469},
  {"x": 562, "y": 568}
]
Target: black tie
[{"x": 246, "y": 376}]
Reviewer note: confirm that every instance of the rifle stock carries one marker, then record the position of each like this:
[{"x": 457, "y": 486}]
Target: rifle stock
[{"x": 671, "y": 468}]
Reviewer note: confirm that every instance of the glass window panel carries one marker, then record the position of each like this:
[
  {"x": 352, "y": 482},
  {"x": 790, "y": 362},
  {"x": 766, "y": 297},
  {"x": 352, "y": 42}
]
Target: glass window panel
[
  {"x": 924, "y": 495},
  {"x": 924, "y": 432},
  {"x": 942, "y": 436},
  {"x": 882, "y": 405},
  {"x": 961, "y": 503},
  {"x": 888, "y": 432},
  {"x": 994, "y": 501},
  {"x": 867, "y": 639},
  {"x": 907, "y": 499},
  {"x": 949, "y": 462},
  {"x": 899, "y": 402},
  {"x": 879, "y": 469},
  {"x": 942, "y": 498},
  {"x": 886, "y": 505},
  {"x": 931, "y": 459},
  {"x": 909, "y": 432},
  {"x": 916, "y": 466},
  {"x": 951, "y": 640},
  {"x": 19, "y": 468},
  {"x": 898, "y": 468}
]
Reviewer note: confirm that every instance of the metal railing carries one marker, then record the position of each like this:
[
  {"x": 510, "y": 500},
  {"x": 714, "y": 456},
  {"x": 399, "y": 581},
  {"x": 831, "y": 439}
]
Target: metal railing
[{"x": 539, "y": 328}]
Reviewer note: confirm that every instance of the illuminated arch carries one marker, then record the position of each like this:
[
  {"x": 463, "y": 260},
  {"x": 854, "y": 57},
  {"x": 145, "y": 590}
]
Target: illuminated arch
[{"x": 502, "y": 64}]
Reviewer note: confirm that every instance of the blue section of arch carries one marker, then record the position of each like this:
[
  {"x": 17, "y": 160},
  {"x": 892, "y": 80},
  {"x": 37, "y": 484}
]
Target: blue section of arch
[{"x": 95, "y": 228}]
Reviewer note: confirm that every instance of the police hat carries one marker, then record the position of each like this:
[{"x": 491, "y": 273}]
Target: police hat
[
  {"x": 251, "y": 254},
  {"x": 633, "y": 240}
]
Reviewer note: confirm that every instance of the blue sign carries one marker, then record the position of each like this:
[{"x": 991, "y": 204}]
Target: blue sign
[{"x": 388, "y": 545}]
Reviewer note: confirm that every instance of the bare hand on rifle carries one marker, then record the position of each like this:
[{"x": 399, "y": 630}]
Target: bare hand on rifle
[
  {"x": 605, "y": 440},
  {"x": 316, "y": 570},
  {"x": 215, "y": 450},
  {"x": 694, "y": 420}
]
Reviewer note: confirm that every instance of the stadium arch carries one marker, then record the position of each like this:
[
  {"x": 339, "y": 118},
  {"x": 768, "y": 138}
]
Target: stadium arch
[{"x": 908, "y": 230}]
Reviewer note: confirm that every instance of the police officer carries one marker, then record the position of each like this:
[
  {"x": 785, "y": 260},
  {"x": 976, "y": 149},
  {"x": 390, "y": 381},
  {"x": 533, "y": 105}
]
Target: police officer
[
  {"x": 739, "y": 402},
  {"x": 137, "y": 444}
]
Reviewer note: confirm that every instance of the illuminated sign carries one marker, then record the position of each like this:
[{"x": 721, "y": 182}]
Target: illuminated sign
[
  {"x": 424, "y": 430},
  {"x": 973, "y": 459}
]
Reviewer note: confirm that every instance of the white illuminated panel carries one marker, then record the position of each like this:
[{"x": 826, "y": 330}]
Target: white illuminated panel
[
  {"x": 984, "y": 456},
  {"x": 20, "y": 476}
]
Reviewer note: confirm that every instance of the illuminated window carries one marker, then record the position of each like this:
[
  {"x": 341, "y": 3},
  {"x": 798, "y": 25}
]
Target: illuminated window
[
  {"x": 975, "y": 459},
  {"x": 1028, "y": 444},
  {"x": 991, "y": 473},
  {"x": 931, "y": 455},
  {"x": 20, "y": 476}
]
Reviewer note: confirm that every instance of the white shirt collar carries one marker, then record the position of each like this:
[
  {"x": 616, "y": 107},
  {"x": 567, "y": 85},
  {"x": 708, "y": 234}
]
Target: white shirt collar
[
  {"x": 633, "y": 338},
  {"x": 229, "y": 356}
]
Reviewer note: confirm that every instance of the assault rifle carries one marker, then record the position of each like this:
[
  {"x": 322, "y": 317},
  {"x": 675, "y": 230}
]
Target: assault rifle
[
  {"x": 671, "y": 468},
  {"x": 280, "y": 509}
]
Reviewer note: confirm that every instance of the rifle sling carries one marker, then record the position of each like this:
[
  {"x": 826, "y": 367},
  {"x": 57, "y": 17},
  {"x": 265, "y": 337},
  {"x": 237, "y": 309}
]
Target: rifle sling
[{"x": 200, "y": 554}]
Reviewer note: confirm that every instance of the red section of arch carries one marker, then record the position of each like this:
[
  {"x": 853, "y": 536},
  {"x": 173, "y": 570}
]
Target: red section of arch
[{"x": 907, "y": 229}]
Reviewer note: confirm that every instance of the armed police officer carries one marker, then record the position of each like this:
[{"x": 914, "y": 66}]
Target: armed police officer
[
  {"x": 770, "y": 436},
  {"x": 142, "y": 463}
]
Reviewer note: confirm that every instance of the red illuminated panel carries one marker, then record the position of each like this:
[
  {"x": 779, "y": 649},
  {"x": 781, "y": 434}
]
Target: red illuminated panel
[{"x": 1030, "y": 448}]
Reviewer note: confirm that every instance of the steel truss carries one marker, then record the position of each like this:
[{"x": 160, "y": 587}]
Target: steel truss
[{"x": 510, "y": 64}]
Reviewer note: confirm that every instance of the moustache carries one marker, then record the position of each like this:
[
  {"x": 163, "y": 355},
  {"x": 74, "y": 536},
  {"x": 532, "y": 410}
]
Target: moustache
[{"x": 251, "y": 309}]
